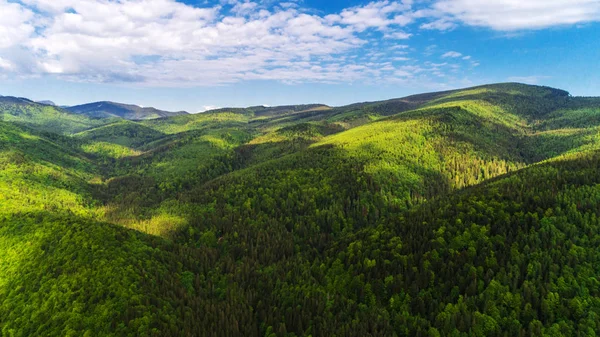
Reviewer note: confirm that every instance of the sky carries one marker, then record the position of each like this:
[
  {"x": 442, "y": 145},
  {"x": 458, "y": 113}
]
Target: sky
[{"x": 196, "y": 55}]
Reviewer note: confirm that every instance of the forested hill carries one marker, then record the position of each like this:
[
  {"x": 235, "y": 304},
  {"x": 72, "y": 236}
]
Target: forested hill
[
  {"x": 267, "y": 111},
  {"x": 469, "y": 212},
  {"x": 120, "y": 110},
  {"x": 43, "y": 117}
]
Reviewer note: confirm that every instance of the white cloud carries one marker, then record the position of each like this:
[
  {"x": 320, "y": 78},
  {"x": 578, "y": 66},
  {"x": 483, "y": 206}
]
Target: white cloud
[
  {"x": 379, "y": 15},
  {"x": 244, "y": 8},
  {"x": 399, "y": 47},
  {"x": 169, "y": 43},
  {"x": 14, "y": 24},
  {"x": 442, "y": 24},
  {"x": 101, "y": 41},
  {"x": 452, "y": 54},
  {"x": 398, "y": 36},
  {"x": 288, "y": 5},
  {"x": 6, "y": 65},
  {"x": 436, "y": 65},
  {"x": 507, "y": 15},
  {"x": 430, "y": 50}
]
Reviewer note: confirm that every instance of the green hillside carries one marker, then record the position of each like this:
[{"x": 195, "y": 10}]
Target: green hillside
[
  {"x": 44, "y": 117},
  {"x": 462, "y": 213}
]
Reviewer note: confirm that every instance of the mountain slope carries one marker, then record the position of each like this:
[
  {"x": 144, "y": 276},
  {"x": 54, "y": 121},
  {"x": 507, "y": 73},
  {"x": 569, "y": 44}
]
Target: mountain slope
[
  {"x": 122, "y": 132},
  {"x": 120, "y": 110},
  {"x": 64, "y": 272},
  {"x": 513, "y": 256},
  {"x": 267, "y": 111},
  {"x": 464, "y": 213},
  {"x": 44, "y": 117}
]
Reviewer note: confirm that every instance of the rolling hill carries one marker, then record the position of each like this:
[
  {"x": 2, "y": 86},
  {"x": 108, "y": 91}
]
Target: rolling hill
[
  {"x": 44, "y": 117},
  {"x": 470, "y": 212},
  {"x": 120, "y": 110}
]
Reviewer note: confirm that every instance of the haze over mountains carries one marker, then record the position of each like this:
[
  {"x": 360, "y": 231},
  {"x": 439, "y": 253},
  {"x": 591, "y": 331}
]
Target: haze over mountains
[
  {"x": 101, "y": 109},
  {"x": 470, "y": 212}
]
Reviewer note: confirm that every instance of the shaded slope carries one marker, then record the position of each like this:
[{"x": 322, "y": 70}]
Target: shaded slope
[
  {"x": 124, "y": 133},
  {"x": 512, "y": 256},
  {"x": 267, "y": 111},
  {"x": 66, "y": 276},
  {"x": 202, "y": 121}
]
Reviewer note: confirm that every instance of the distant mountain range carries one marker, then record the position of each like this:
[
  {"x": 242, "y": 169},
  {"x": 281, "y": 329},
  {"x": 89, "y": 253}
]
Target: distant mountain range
[
  {"x": 99, "y": 109},
  {"x": 125, "y": 111},
  {"x": 14, "y": 100}
]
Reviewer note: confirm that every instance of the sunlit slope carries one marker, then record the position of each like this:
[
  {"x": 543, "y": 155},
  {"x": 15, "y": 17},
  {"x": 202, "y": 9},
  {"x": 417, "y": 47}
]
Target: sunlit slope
[
  {"x": 509, "y": 105},
  {"x": 521, "y": 99},
  {"x": 44, "y": 117},
  {"x": 43, "y": 173}
]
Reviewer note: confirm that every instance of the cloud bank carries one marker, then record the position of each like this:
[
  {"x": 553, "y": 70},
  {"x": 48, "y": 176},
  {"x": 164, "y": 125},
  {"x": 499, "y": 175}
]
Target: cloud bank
[
  {"x": 510, "y": 15},
  {"x": 169, "y": 43}
]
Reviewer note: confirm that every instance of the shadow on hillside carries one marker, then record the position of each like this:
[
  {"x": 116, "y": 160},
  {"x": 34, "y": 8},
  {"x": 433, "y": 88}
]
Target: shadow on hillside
[
  {"x": 324, "y": 169},
  {"x": 527, "y": 106},
  {"x": 44, "y": 147},
  {"x": 124, "y": 133},
  {"x": 547, "y": 145},
  {"x": 413, "y": 181}
]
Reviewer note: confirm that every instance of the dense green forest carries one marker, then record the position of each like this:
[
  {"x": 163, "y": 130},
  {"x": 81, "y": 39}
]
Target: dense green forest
[{"x": 471, "y": 212}]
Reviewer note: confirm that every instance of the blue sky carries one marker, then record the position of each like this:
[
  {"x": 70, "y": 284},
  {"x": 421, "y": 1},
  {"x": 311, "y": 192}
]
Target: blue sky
[{"x": 198, "y": 54}]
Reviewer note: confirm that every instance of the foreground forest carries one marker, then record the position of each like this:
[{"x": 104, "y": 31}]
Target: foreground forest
[{"x": 471, "y": 212}]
